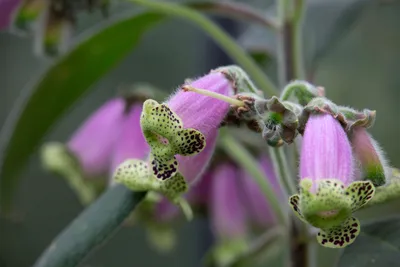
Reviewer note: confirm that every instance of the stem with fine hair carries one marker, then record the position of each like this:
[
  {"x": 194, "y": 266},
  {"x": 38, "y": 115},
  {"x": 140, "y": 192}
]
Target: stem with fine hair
[
  {"x": 220, "y": 37},
  {"x": 291, "y": 66},
  {"x": 91, "y": 228}
]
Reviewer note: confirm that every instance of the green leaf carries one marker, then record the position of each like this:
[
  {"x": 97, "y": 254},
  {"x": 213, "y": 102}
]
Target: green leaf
[
  {"x": 377, "y": 245},
  {"x": 60, "y": 87}
]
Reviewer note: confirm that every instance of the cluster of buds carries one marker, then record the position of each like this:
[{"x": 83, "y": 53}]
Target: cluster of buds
[{"x": 50, "y": 21}]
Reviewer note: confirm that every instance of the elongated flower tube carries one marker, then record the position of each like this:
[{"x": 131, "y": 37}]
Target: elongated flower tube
[
  {"x": 191, "y": 123},
  {"x": 177, "y": 133},
  {"x": 373, "y": 163},
  {"x": 328, "y": 193}
]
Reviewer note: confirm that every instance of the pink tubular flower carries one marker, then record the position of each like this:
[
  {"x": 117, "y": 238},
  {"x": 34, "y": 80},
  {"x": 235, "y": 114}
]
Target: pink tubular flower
[
  {"x": 227, "y": 211},
  {"x": 130, "y": 143},
  {"x": 204, "y": 114},
  {"x": 329, "y": 194},
  {"x": 326, "y": 152},
  {"x": 258, "y": 209},
  {"x": 93, "y": 143},
  {"x": 183, "y": 131}
]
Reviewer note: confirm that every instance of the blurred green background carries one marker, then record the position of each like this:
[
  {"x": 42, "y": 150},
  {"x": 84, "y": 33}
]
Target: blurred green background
[{"x": 359, "y": 70}]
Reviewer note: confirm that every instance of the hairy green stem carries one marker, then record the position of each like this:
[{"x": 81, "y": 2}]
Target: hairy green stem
[
  {"x": 220, "y": 37},
  {"x": 91, "y": 228},
  {"x": 290, "y": 56},
  {"x": 291, "y": 66},
  {"x": 244, "y": 159}
]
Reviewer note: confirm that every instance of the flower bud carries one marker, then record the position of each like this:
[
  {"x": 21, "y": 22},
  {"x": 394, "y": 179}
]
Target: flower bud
[
  {"x": 373, "y": 163},
  {"x": 303, "y": 91}
]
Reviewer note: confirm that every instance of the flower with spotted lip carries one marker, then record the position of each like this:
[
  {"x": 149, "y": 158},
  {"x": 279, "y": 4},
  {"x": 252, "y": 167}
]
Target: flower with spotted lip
[
  {"x": 175, "y": 130},
  {"x": 328, "y": 193},
  {"x": 130, "y": 143},
  {"x": 165, "y": 134},
  {"x": 183, "y": 126}
]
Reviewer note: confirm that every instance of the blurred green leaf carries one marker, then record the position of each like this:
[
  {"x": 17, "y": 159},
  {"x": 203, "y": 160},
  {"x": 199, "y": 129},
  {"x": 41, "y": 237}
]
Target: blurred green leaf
[
  {"x": 377, "y": 245},
  {"x": 60, "y": 87}
]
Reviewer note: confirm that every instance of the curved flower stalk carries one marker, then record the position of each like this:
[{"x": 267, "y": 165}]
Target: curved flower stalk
[
  {"x": 177, "y": 132},
  {"x": 329, "y": 193}
]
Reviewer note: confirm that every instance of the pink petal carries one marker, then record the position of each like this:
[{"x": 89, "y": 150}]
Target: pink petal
[
  {"x": 204, "y": 114},
  {"x": 326, "y": 151}
]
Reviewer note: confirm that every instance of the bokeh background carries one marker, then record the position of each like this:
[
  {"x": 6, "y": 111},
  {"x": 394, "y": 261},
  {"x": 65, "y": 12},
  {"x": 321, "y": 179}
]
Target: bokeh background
[{"x": 360, "y": 69}]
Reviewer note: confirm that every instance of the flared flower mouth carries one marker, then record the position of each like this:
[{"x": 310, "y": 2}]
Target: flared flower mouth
[{"x": 164, "y": 132}]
